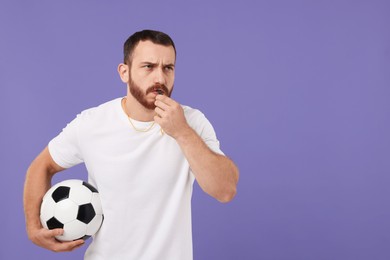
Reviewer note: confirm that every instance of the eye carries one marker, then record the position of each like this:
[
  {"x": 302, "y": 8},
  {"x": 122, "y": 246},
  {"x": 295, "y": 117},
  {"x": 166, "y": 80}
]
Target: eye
[
  {"x": 169, "y": 68},
  {"x": 148, "y": 66}
]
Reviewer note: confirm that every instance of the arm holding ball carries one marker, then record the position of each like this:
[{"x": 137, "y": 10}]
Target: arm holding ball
[{"x": 38, "y": 181}]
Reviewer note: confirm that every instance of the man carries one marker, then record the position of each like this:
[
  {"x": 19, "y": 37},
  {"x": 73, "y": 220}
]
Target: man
[{"x": 143, "y": 153}]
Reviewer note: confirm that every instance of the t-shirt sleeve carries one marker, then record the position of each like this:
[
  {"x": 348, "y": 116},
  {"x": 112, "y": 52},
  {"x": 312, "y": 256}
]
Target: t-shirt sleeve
[
  {"x": 64, "y": 148},
  {"x": 209, "y": 137},
  {"x": 206, "y": 131}
]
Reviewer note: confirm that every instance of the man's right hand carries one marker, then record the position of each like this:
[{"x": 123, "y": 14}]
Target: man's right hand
[{"x": 46, "y": 239}]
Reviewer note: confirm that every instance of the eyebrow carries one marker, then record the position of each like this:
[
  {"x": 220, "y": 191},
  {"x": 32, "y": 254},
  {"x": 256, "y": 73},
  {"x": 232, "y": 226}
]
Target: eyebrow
[{"x": 154, "y": 64}]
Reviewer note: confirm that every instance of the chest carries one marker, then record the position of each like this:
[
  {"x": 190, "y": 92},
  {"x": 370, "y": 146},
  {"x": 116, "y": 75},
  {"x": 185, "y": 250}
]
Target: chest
[{"x": 122, "y": 159}]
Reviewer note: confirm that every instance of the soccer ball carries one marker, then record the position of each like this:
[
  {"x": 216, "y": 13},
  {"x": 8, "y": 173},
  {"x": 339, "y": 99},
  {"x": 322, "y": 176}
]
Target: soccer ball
[{"x": 73, "y": 205}]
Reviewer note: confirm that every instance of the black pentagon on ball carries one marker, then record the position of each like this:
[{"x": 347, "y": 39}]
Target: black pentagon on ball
[
  {"x": 89, "y": 186},
  {"x": 54, "y": 223},
  {"x": 86, "y": 213},
  {"x": 60, "y": 193}
]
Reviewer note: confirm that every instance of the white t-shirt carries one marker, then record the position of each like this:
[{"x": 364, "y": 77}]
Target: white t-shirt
[{"x": 143, "y": 178}]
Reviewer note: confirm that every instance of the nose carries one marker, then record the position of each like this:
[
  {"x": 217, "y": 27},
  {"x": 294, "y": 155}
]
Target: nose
[{"x": 159, "y": 76}]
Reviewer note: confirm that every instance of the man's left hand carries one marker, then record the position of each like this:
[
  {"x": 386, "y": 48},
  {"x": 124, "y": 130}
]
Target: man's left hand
[{"x": 170, "y": 116}]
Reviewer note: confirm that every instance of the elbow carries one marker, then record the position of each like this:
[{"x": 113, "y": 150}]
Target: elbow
[
  {"x": 227, "y": 196},
  {"x": 229, "y": 192}
]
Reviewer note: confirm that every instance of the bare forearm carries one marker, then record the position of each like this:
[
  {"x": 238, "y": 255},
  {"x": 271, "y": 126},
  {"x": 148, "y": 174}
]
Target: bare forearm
[
  {"x": 216, "y": 174},
  {"x": 38, "y": 181},
  {"x": 36, "y": 184}
]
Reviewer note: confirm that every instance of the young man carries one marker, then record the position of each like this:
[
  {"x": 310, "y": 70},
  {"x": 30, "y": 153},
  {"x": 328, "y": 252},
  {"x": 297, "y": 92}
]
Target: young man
[{"x": 143, "y": 153}]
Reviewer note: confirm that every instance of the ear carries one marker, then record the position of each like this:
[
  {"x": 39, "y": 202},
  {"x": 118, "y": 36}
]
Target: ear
[{"x": 123, "y": 71}]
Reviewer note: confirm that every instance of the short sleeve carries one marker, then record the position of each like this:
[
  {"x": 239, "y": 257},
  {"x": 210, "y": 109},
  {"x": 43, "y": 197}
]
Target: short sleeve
[
  {"x": 209, "y": 137},
  {"x": 64, "y": 148},
  {"x": 198, "y": 121}
]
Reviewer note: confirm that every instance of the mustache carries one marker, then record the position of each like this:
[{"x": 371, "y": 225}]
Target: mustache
[{"x": 157, "y": 87}]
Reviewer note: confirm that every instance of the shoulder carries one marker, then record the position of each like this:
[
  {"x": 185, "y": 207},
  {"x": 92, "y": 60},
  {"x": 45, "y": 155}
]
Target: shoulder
[
  {"x": 192, "y": 114},
  {"x": 195, "y": 118},
  {"x": 202, "y": 126},
  {"x": 103, "y": 110}
]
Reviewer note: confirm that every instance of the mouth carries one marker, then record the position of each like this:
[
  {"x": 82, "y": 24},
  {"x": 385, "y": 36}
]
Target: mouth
[{"x": 158, "y": 90}]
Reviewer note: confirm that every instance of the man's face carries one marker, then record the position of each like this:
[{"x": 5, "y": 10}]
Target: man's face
[{"x": 152, "y": 69}]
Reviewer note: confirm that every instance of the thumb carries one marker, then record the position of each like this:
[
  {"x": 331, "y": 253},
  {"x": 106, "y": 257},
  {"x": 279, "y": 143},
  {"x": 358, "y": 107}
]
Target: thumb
[{"x": 55, "y": 232}]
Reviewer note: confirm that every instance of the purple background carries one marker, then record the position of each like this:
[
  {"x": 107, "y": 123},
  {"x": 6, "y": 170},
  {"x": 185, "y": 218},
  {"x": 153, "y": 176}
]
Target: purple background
[{"x": 298, "y": 92}]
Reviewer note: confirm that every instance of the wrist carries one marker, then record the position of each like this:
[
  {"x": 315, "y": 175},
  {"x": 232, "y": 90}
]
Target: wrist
[
  {"x": 184, "y": 134},
  {"x": 32, "y": 227}
]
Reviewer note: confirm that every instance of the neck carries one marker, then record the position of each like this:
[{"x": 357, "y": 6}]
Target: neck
[{"x": 135, "y": 110}]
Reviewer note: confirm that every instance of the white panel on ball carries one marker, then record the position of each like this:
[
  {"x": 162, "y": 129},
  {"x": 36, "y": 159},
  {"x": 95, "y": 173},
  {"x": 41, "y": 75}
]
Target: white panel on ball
[
  {"x": 73, "y": 230},
  {"x": 80, "y": 195},
  {"x": 94, "y": 225},
  {"x": 66, "y": 211},
  {"x": 95, "y": 201},
  {"x": 47, "y": 210}
]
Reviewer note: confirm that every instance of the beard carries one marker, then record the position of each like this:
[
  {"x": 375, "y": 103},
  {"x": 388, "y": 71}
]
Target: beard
[{"x": 140, "y": 96}]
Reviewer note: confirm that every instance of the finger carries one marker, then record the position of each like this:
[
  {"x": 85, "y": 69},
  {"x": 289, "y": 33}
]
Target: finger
[
  {"x": 68, "y": 246},
  {"x": 53, "y": 232},
  {"x": 158, "y": 120},
  {"x": 165, "y": 99},
  {"x": 161, "y": 104},
  {"x": 160, "y": 97},
  {"x": 76, "y": 244},
  {"x": 160, "y": 112}
]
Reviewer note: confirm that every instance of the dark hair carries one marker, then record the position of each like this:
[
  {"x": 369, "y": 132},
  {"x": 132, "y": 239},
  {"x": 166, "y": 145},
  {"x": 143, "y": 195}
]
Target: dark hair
[{"x": 145, "y": 35}]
